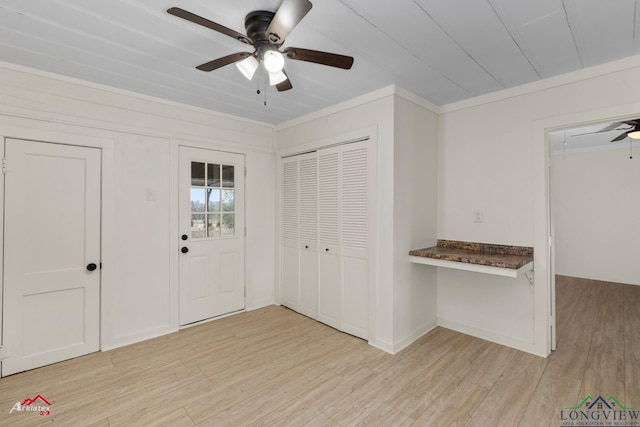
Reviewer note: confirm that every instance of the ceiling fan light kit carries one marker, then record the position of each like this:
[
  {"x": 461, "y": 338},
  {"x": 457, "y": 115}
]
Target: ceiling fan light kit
[
  {"x": 634, "y": 134},
  {"x": 248, "y": 66},
  {"x": 266, "y": 32},
  {"x": 277, "y": 77},
  {"x": 273, "y": 61}
]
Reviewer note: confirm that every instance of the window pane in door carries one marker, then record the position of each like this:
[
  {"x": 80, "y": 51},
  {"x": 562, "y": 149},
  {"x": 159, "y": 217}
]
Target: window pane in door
[
  {"x": 213, "y": 175},
  {"x": 197, "y": 174},
  {"x": 197, "y": 200},
  {"x": 228, "y": 224},
  {"x": 228, "y": 176},
  {"x": 228, "y": 200},
  {"x": 212, "y": 200},
  {"x": 213, "y": 204},
  {"x": 213, "y": 225},
  {"x": 197, "y": 226}
]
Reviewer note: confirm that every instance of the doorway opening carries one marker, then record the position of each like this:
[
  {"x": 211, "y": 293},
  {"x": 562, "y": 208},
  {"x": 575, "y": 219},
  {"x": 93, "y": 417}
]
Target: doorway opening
[{"x": 593, "y": 217}]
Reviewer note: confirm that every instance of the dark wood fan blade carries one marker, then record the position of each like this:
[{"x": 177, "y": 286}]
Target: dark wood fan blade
[
  {"x": 225, "y": 60},
  {"x": 632, "y": 122},
  {"x": 192, "y": 17},
  {"x": 619, "y": 137},
  {"x": 286, "y": 18},
  {"x": 318, "y": 57},
  {"x": 285, "y": 85},
  {"x": 611, "y": 127}
]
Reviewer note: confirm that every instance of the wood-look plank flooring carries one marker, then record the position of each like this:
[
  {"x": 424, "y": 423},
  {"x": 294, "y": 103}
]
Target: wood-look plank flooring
[{"x": 275, "y": 367}]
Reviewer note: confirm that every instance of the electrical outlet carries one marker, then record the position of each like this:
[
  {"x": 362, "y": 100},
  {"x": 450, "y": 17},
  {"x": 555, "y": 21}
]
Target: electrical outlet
[{"x": 478, "y": 216}]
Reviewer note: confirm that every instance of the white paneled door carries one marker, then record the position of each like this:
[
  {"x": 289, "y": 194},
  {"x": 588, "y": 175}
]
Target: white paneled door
[
  {"x": 51, "y": 304},
  {"x": 211, "y": 215}
]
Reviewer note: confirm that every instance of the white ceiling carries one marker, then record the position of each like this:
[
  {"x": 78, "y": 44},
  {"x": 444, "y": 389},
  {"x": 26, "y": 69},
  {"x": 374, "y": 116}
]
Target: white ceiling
[{"x": 441, "y": 50}]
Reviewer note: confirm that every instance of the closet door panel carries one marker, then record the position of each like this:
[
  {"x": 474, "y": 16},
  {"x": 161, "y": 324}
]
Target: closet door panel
[
  {"x": 355, "y": 304},
  {"x": 289, "y": 245},
  {"x": 308, "y": 201},
  {"x": 329, "y": 237},
  {"x": 354, "y": 200},
  {"x": 290, "y": 277},
  {"x": 354, "y": 227},
  {"x": 329, "y": 289},
  {"x": 309, "y": 283}
]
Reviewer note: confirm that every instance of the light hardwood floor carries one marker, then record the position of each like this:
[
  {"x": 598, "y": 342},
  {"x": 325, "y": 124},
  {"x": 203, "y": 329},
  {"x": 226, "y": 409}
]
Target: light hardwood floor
[{"x": 275, "y": 367}]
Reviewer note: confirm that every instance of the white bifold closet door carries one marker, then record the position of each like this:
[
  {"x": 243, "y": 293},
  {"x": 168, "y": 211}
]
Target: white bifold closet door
[
  {"x": 354, "y": 237},
  {"x": 308, "y": 302},
  {"x": 325, "y": 235},
  {"x": 289, "y": 250},
  {"x": 329, "y": 236}
]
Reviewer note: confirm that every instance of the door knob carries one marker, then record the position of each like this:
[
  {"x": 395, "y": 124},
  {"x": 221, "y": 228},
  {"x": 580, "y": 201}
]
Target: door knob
[
  {"x": 91, "y": 267},
  {"x": 184, "y": 249}
]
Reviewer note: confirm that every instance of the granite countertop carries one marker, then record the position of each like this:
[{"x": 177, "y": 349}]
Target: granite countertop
[{"x": 501, "y": 256}]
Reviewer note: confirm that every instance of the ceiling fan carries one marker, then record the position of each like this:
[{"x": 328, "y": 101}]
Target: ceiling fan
[
  {"x": 632, "y": 132},
  {"x": 266, "y": 32}
]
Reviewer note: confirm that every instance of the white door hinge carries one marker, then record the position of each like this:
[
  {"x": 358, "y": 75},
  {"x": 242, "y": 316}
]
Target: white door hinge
[
  {"x": 4, "y": 165},
  {"x": 245, "y": 171},
  {"x": 245, "y": 231}
]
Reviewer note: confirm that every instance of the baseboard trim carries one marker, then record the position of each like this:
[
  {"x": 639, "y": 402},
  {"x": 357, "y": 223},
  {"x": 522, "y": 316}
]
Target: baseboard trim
[
  {"x": 394, "y": 348},
  {"x": 484, "y": 334}
]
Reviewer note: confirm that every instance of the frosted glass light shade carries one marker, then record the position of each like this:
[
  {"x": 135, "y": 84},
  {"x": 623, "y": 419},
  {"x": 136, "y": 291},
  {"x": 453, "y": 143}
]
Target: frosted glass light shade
[
  {"x": 278, "y": 77},
  {"x": 634, "y": 135},
  {"x": 248, "y": 67},
  {"x": 273, "y": 61}
]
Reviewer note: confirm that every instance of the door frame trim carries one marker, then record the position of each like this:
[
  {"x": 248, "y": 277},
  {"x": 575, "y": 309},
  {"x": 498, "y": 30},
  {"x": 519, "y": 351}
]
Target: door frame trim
[
  {"x": 107, "y": 211},
  {"x": 542, "y": 215}
]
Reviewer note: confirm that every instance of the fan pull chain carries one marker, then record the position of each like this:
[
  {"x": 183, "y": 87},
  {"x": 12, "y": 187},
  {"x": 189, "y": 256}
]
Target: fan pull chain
[
  {"x": 260, "y": 81},
  {"x": 630, "y": 148}
]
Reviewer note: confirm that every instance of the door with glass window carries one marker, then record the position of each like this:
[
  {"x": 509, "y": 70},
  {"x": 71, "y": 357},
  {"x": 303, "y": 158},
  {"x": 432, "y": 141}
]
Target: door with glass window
[{"x": 211, "y": 215}]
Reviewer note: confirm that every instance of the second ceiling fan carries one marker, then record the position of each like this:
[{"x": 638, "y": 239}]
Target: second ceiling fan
[{"x": 266, "y": 32}]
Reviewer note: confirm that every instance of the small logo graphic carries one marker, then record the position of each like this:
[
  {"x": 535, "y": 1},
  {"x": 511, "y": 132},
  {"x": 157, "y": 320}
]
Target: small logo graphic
[
  {"x": 38, "y": 404},
  {"x": 600, "y": 412}
]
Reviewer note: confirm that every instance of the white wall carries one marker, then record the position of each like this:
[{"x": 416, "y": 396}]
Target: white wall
[
  {"x": 140, "y": 248},
  {"x": 491, "y": 158},
  {"x": 415, "y": 216},
  {"x": 596, "y": 203}
]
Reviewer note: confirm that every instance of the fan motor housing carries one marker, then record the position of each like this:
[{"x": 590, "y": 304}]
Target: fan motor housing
[{"x": 256, "y": 24}]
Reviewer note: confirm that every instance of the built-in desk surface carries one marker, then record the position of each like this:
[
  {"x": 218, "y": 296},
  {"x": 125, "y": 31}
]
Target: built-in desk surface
[{"x": 502, "y": 260}]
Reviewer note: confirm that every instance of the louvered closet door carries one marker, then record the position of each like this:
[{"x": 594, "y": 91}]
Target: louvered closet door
[
  {"x": 289, "y": 244},
  {"x": 354, "y": 226},
  {"x": 308, "y": 226},
  {"x": 329, "y": 237}
]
